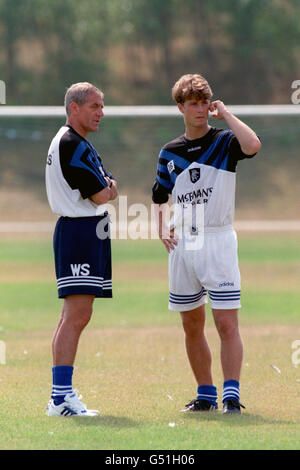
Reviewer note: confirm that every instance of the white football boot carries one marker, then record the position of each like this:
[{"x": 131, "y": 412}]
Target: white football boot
[{"x": 72, "y": 406}]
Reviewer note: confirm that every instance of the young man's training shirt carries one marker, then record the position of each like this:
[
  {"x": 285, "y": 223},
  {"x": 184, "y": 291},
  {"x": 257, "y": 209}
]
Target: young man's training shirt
[
  {"x": 74, "y": 172},
  {"x": 201, "y": 171}
]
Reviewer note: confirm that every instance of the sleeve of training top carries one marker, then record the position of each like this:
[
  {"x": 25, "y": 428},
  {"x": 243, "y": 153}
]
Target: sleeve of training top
[
  {"x": 162, "y": 185},
  {"x": 108, "y": 173},
  {"x": 82, "y": 168},
  {"x": 235, "y": 150}
]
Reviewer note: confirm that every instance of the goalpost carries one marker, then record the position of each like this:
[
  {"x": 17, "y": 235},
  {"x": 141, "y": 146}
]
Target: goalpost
[
  {"x": 55, "y": 112},
  {"x": 149, "y": 111}
]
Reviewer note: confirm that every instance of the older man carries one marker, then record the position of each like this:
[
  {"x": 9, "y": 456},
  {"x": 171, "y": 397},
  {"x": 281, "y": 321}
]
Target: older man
[{"x": 78, "y": 187}]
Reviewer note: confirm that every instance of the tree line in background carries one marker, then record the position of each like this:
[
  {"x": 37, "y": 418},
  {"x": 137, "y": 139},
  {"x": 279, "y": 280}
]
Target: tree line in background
[{"x": 136, "y": 49}]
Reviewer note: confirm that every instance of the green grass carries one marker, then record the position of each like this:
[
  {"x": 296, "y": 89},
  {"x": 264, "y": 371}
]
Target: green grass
[
  {"x": 270, "y": 248},
  {"x": 31, "y": 251},
  {"x": 253, "y": 248},
  {"x": 131, "y": 361}
]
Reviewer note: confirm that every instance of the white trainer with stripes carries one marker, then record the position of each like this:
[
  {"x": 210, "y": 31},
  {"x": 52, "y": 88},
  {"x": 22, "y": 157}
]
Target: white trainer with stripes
[{"x": 72, "y": 406}]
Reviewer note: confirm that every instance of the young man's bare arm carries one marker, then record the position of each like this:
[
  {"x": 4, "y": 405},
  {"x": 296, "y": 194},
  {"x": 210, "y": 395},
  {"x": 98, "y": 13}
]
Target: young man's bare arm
[
  {"x": 247, "y": 138},
  {"x": 166, "y": 234},
  {"x": 107, "y": 194}
]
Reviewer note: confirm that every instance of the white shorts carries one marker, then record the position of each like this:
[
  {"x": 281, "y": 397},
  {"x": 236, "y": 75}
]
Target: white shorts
[{"x": 212, "y": 269}]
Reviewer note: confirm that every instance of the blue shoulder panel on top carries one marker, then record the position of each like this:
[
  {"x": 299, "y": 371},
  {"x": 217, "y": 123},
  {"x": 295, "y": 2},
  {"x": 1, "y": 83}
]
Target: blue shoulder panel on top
[
  {"x": 220, "y": 162},
  {"x": 178, "y": 161},
  {"x": 93, "y": 167}
]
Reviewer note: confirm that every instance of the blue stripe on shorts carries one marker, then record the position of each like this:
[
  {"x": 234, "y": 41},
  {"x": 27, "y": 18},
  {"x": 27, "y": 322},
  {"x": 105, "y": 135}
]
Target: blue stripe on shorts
[
  {"x": 221, "y": 296},
  {"x": 186, "y": 299}
]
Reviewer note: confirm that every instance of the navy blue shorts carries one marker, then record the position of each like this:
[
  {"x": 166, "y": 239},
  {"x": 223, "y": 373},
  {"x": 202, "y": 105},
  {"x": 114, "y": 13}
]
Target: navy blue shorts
[{"x": 82, "y": 260}]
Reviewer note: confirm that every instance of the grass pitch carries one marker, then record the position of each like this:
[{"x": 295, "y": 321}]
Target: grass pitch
[{"x": 131, "y": 363}]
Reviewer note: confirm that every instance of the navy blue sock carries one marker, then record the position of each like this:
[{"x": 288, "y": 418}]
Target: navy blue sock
[
  {"x": 231, "y": 389},
  {"x": 207, "y": 392},
  {"x": 62, "y": 383}
]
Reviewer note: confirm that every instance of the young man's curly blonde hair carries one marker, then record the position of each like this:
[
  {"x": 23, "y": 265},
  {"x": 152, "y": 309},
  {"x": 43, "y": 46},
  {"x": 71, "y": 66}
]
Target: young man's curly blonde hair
[{"x": 191, "y": 86}]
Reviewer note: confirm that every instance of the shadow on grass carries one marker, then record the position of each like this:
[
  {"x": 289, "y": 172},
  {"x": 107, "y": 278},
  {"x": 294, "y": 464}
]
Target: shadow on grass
[
  {"x": 108, "y": 421},
  {"x": 244, "y": 419}
]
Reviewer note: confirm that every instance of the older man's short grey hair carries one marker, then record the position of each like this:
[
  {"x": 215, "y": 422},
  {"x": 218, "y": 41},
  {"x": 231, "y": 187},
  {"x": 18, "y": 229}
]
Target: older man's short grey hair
[{"x": 79, "y": 93}]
